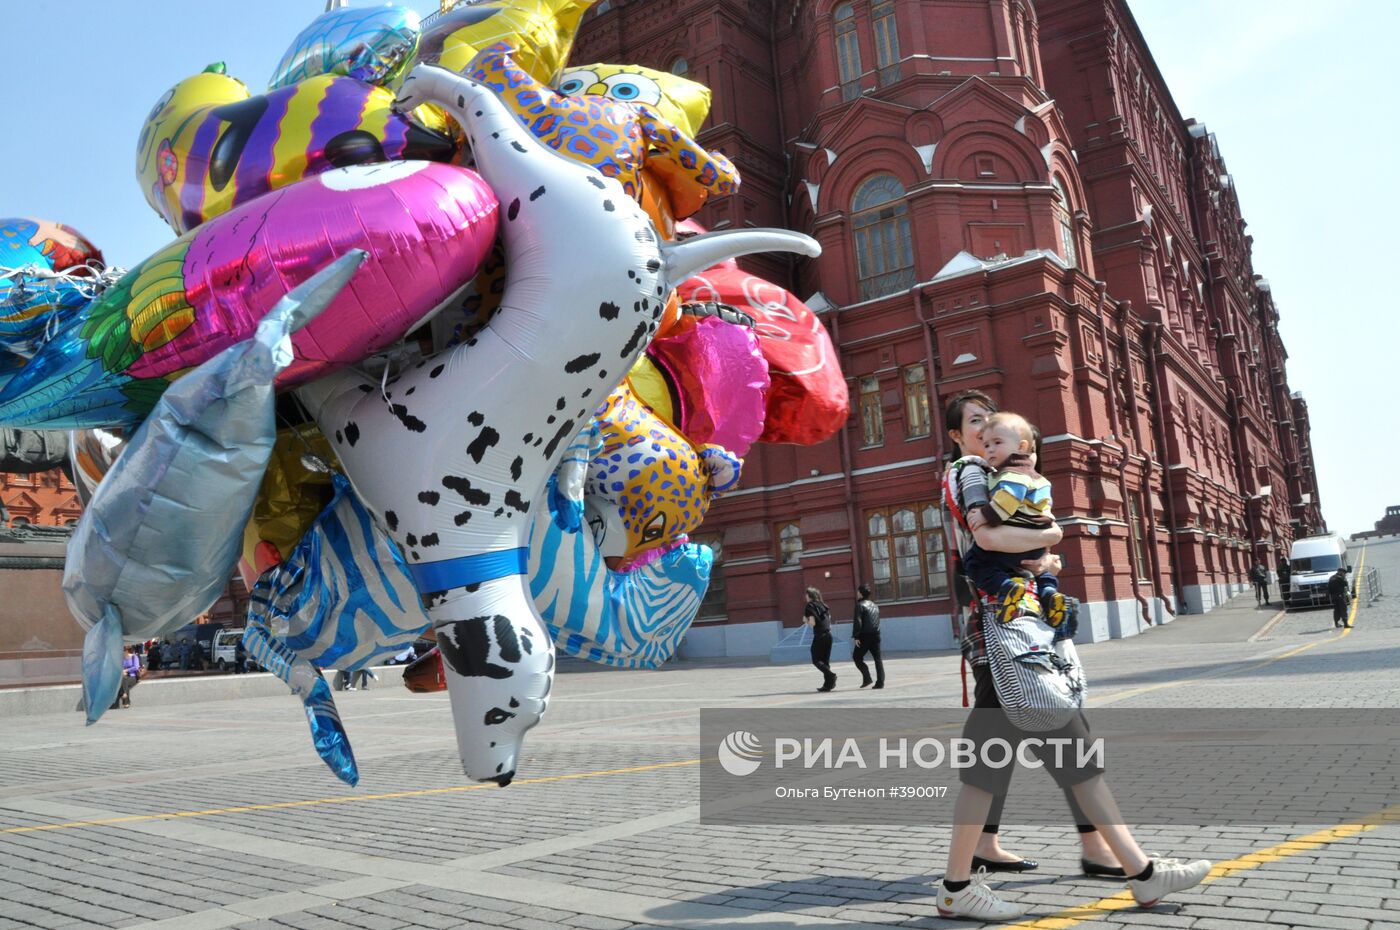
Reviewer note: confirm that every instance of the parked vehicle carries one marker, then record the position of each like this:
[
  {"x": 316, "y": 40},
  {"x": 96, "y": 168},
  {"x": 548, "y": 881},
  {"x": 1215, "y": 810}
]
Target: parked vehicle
[
  {"x": 1312, "y": 561},
  {"x": 224, "y": 647}
]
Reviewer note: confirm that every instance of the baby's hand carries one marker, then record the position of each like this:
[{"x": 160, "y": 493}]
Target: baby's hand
[{"x": 976, "y": 519}]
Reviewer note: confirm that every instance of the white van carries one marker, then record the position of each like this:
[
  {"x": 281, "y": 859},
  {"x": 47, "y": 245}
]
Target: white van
[
  {"x": 223, "y": 650},
  {"x": 1311, "y": 562}
]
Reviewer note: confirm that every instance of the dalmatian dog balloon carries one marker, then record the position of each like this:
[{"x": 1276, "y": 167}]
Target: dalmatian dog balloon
[{"x": 452, "y": 455}]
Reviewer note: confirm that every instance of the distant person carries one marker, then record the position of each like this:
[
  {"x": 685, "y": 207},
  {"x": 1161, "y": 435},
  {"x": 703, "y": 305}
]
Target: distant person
[
  {"x": 865, "y": 634},
  {"x": 1260, "y": 576},
  {"x": 1339, "y": 591},
  {"x": 131, "y": 674},
  {"x": 818, "y": 616},
  {"x": 154, "y": 657},
  {"x": 362, "y": 676},
  {"x": 240, "y": 657},
  {"x": 184, "y": 654},
  {"x": 1284, "y": 575}
]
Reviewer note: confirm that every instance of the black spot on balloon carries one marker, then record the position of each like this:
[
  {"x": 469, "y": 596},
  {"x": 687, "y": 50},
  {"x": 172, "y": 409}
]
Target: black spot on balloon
[
  {"x": 513, "y": 499},
  {"x": 463, "y": 486},
  {"x": 485, "y": 440},
  {"x": 338, "y": 437},
  {"x": 411, "y": 539},
  {"x": 392, "y": 519},
  {"x": 514, "y": 702},
  {"x": 475, "y": 418},
  {"x": 462, "y": 518},
  {"x": 515, "y": 468},
  {"x": 462, "y": 101},
  {"x": 466, "y": 648},
  {"x": 608, "y": 206},
  {"x": 608, "y": 310},
  {"x": 560, "y": 404},
  {"x": 407, "y": 419},
  {"x": 514, "y": 209},
  {"x": 437, "y": 370},
  {"x": 581, "y": 363},
  {"x": 566, "y": 429},
  {"x": 430, "y": 540},
  {"x": 596, "y": 183},
  {"x": 518, "y": 147},
  {"x": 527, "y": 437},
  {"x": 537, "y": 193},
  {"x": 430, "y": 498},
  {"x": 638, "y": 335},
  {"x": 352, "y": 432},
  {"x": 653, "y": 265}
]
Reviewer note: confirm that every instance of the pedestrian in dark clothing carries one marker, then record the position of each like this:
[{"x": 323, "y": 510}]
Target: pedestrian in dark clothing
[
  {"x": 865, "y": 633},
  {"x": 1339, "y": 590},
  {"x": 818, "y": 616},
  {"x": 240, "y": 657},
  {"x": 1260, "y": 576},
  {"x": 154, "y": 657},
  {"x": 1284, "y": 574}
]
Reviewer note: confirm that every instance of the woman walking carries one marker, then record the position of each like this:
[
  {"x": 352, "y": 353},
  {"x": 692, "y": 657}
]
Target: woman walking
[
  {"x": 1108, "y": 847},
  {"x": 818, "y": 616}
]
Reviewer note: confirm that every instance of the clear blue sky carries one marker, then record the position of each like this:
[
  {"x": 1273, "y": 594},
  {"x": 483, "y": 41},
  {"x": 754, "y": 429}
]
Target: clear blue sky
[{"x": 1292, "y": 88}]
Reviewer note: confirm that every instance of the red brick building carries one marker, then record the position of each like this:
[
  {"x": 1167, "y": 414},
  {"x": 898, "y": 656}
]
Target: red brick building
[{"x": 1007, "y": 199}]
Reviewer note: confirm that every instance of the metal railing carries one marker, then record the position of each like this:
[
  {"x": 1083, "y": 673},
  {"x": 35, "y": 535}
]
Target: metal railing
[{"x": 1371, "y": 586}]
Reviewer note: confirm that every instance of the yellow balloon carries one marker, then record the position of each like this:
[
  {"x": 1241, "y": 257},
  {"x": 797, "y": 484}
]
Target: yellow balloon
[
  {"x": 541, "y": 32},
  {"x": 681, "y": 100}
]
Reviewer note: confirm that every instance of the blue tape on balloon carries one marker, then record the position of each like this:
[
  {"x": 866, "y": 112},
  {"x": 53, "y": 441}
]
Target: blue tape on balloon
[{"x": 470, "y": 569}]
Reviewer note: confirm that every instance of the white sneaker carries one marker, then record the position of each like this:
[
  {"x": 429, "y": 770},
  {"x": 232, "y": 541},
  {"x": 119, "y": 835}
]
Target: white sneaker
[
  {"x": 1168, "y": 875},
  {"x": 976, "y": 902}
]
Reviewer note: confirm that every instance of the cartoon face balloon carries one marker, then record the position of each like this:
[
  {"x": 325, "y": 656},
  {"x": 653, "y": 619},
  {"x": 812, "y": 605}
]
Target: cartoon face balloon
[
  {"x": 649, "y": 486},
  {"x": 208, "y": 146},
  {"x": 680, "y": 100},
  {"x": 618, "y": 138}
]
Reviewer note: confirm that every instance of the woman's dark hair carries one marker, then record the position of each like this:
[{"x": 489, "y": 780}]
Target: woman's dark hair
[
  {"x": 953, "y": 413},
  {"x": 814, "y": 595},
  {"x": 864, "y": 592}
]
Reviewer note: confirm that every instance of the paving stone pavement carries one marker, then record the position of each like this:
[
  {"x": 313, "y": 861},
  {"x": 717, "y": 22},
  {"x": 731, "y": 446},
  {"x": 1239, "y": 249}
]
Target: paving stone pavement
[{"x": 219, "y": 815}]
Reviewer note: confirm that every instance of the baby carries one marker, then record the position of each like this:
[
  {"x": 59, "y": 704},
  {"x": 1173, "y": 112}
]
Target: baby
[{"x": 1015, "y": 495}]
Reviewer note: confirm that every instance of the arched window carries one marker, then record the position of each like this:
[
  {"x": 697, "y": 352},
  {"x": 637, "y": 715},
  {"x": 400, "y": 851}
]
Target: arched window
[
  {"x": 1064, "y": 218},
  {"x": 847, "y": 51},
  {"x": 884, "y": 251},
  {"x": 680, "y": 66},
  {"x": 790, "y": 544},
  {"x": 886, "y": 41}
]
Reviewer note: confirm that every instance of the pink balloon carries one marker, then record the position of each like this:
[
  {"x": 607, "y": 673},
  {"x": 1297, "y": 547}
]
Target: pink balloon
[
  {"x": 722, "y": 377},
  {"x": 426, "y": 226}
]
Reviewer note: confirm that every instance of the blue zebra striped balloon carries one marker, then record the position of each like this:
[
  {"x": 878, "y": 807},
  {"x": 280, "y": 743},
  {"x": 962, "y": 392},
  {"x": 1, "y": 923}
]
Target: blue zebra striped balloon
[
  {"x": 344, "y": 597},
  {"x": 630, "y": 619}
]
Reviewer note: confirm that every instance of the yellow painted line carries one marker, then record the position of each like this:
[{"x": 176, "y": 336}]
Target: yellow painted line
[
  {"x": 1268, "y": 627},
  {"x": 1124, "y": 900},
  {"x": 344, "y": 799}
]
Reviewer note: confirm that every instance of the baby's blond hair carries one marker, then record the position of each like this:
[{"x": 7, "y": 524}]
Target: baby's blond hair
[{"x": 1011, "y": 421}]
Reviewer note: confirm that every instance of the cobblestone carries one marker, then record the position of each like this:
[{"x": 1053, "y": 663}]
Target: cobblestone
[{"x": 601, "y": 865}]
